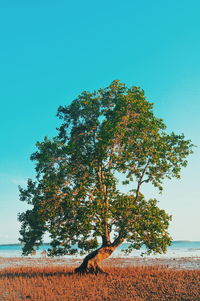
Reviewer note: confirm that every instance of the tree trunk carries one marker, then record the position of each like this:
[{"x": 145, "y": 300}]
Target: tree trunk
[{"x": 92, "y": 262}]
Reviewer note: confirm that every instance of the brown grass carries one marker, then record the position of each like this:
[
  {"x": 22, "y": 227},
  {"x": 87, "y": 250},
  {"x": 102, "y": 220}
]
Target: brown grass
[{"x": 127, "y": 284}]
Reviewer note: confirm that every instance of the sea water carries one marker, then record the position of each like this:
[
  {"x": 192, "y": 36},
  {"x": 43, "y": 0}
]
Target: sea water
[
  {"x": 15, "y": 250},
  {"x": 177, "y": 249}
]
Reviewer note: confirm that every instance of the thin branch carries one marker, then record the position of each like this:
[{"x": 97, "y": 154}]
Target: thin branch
[
  {"x": 140, "y": 182},
  {"x": 118, "y": 241}
]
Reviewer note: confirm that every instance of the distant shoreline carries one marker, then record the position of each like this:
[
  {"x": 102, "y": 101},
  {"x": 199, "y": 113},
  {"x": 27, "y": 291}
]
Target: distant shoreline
[
  {"x": 178, "y": 249},
  {"x": 18, "y": 244},
  {"x": 48, "y": 243}
]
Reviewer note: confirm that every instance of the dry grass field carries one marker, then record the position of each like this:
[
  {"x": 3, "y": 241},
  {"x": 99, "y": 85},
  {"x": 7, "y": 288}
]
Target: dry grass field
[{"x": 127, "y": 284}]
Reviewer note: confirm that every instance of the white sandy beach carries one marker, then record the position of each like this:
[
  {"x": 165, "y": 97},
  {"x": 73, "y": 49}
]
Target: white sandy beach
[{"x": 188, "y": 263}]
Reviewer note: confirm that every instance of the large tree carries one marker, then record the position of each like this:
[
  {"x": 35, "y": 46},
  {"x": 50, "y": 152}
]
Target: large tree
[{"x": 107, "y": 139}]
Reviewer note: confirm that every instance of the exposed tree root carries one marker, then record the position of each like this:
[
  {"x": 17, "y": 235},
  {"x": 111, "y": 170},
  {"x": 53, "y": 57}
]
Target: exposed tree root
[{"x": 90, "y": 270}]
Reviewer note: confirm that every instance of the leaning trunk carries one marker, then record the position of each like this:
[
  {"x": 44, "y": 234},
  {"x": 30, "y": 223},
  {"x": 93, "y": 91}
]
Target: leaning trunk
[{"x": 92, "y": 262}]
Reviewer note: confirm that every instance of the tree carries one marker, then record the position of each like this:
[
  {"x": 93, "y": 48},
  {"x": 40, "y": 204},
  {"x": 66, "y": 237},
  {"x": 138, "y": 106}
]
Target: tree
[{"x": 106, "y": 137}]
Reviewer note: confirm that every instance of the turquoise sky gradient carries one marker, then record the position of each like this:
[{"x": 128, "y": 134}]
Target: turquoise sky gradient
[{"x": 52, "y": 50}]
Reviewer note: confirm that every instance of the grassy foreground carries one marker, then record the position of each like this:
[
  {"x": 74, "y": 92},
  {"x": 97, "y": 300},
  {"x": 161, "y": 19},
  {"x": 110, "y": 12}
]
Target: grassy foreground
[{"x": 132, "y": 283}]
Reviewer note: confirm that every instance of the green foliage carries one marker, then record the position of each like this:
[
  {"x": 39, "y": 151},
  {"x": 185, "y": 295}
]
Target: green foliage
[{"x": 104, "y": 136}]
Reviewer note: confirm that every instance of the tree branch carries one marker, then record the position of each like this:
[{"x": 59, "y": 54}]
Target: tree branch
[
  {"x": 140, "y": 182},
  {"x": 118, "y": 241}
]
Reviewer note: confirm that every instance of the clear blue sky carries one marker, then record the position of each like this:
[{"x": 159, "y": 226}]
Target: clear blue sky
[{"x": 52, "y": 50}]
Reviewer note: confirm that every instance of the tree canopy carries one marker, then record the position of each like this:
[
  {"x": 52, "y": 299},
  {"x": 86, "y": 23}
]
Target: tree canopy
[{"x": 107, "y": 137}]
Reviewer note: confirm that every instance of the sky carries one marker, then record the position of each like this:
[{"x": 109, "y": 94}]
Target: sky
[{"x": 52, "y": 50}]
